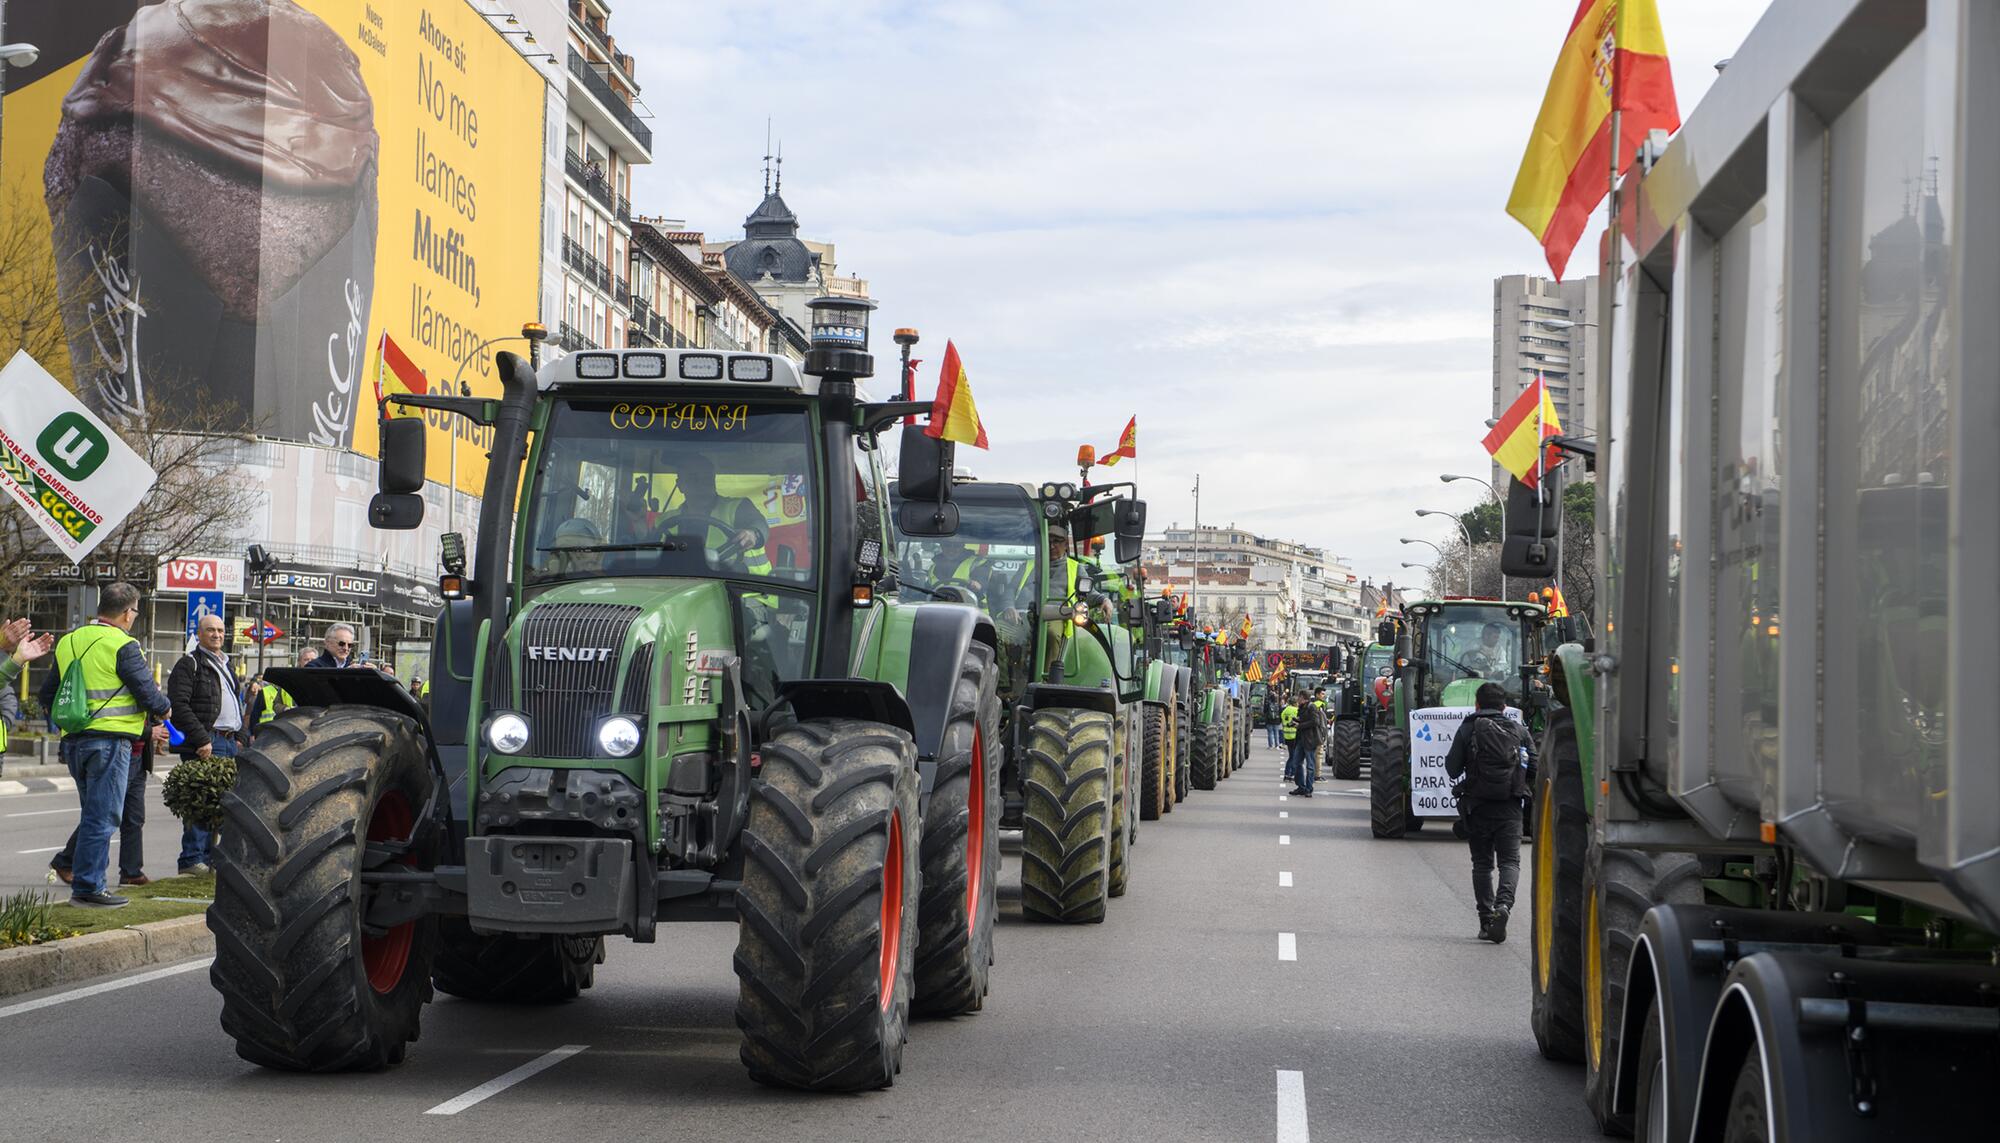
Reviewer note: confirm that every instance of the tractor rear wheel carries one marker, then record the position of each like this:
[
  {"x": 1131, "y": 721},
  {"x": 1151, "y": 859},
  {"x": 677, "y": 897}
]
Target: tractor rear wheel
[
  {"x": 539, "y": 969},
  {"x": 1184, "y": 731},
  {"x": 1207, "y": 755},
  {"x": 1560, "y": 850},
  {"x": 1346, "y": 749},
  {"x": 958, "y": 903},
  {"x": 305, "y": 985},
  {"x": 1389, "y": 784},
  {"x": 1122, "y": 825},
  {"x": 1156, "y": 762},
  {"x": 1066, "y": 838},
  {"x": 1619, "y": 885},
  {"x": 827, "y": 910}
]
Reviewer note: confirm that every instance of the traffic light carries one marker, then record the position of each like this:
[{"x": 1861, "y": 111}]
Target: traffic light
[{"x": 1530, "y": 548}]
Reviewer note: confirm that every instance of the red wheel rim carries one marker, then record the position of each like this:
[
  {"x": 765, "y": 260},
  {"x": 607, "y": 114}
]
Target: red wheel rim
[
  {"x": 975, "y": 835},
  {"x": 384, "y": 958},
  {"x": 892, "y": 910}
]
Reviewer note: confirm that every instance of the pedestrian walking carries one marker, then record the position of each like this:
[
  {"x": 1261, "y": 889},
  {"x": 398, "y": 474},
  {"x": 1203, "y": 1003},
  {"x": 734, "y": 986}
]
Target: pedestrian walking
[
  {"x": 1288, "y": 729},
  {"x": 203, "y": 690},
  {"x": 1305, "y": 750},
  {"x": 117, "y": 693},
  {"x": 1326, "y": 732},
  {"x": 1492, "y": 768},
  {"x": 337, "y": 649},
  {"x": 1273, "y": 706},
  {"x": 131, "y": 820}
]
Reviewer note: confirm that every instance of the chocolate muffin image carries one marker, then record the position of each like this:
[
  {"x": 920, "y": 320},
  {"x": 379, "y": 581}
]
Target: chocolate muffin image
[{"x": 239, "y": 138}]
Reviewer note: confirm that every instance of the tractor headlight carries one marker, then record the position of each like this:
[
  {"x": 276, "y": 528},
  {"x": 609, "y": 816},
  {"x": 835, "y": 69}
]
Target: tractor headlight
[
  {"x": 507, "y": 732},
  {"x": 618, "y": 736}
]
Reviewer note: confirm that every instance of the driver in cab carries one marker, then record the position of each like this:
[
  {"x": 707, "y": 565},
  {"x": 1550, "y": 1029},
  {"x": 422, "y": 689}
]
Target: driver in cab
[
  {"x": 1492, "y": 658},
  {"x": 732, "y": 528}
]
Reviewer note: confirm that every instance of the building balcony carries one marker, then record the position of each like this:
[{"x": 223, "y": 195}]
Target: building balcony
[
  {"x": 640, "y": 310},
  {"x": 592, "y": 179},
  {"x": 592, "y": 78},
  {"x": 622, "y": 209},
  {"x": 636, "y": 338},
  {"x": 621, "y": 293},
  {"x": 571, "y": 339}
]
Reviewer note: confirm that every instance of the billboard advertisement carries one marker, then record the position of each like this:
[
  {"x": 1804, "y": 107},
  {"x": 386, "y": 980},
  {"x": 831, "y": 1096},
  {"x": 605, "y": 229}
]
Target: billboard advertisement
[{"x": 236, "y": 198}]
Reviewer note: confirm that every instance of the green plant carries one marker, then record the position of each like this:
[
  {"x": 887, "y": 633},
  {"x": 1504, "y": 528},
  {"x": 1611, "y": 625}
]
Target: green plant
[
  {"x": 194, "y": 789},
  {"x": 29, "y": 917}
]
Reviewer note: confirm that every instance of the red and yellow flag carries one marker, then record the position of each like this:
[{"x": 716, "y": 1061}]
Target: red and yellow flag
[
  {"x": 1243, "y": 628},
  {"x": 1128, "y": 444},
  {"x": 396, "y": 373},
  {"x": 1554, "y": 601},
  {"x": 1515, "y": 440},
  {"x": 953, "y": 415},
  {"x": 1614, "y": 58}
]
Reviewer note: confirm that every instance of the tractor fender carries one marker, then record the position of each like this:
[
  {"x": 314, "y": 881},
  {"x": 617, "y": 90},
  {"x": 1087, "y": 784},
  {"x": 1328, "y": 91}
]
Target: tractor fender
[
  {"x": 1045, "y": 696},
  {"x": 939, "y": 634},
  {"x": 870, "y": 699}
]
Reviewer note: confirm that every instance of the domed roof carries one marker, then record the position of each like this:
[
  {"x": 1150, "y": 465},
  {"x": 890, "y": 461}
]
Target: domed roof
[{"x": 771, "y": 245}]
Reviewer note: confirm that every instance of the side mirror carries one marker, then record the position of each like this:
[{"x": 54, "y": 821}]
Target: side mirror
[
  {"x": 396, "y": 511},
  {"x": 1130, "y": 529},
  {"x": 1534, "y": 521},
  {"x": 402, "y": 469},
  {"x": 926, "y": 518},
  {"x": 1403, "y": 652},
  {"x": 1385, "y": 632},
  {"x": 923, "y": 468}
]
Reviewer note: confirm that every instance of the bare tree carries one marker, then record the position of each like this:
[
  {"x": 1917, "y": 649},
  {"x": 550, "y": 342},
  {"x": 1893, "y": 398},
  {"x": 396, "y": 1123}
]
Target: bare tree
[{"x": 30, "y": 312}]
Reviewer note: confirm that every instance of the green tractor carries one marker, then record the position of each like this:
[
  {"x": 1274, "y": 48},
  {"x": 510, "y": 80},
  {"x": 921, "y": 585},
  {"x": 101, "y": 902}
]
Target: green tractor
[
  {"x": 666, "y": 689},
  {"x": 1071, "y": 676},
  {"x": 1449, "y": 649},
  {"x": 1357, "y": 710},
  {"x": 1209, "y": 713}
]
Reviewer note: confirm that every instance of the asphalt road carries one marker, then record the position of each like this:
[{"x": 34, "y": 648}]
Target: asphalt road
[
  {"x": 34, "y": 826},
  {"x": 1179, "y": 1018}
]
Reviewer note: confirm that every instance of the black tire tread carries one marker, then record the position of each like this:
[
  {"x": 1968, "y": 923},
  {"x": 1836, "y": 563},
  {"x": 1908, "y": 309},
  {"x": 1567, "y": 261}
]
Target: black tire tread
[
  {"x": 1631, "y": 883},
  {"x": 1346, "y": 749},
  {"x": 1206, "y": 770},
  {"x": 1556, "y": 1016},
  {"x": 1389, "y": 784},
  {"x": 1065, "y": 845},
  {"x": 1156, "y": 763},
  {"x": 954, "y": 949}
]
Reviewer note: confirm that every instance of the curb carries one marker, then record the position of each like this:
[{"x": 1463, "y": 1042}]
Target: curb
[
  {"x": 36, "y": 785},
  {"x": 92, "y": 955}
]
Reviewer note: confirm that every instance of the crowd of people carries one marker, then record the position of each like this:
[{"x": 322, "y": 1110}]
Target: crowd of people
[{"x": 100, "y": 694}]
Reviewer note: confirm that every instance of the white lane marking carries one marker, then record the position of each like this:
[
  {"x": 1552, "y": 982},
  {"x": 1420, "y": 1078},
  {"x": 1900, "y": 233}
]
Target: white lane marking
[
  {"x": 1283, "y": 814},
  {"x": 1281, "y": 797},
  {"x": 1292, "y": 1107},
  {"x": 48, "y": 849},
  {"x": 1288, "y": 946},
  {"x": 494, "y": 1087},
  {"x": 1284, "y": 879},
  {"x": 41, "y": 813},
  {"x": 1283, "y": 839},
  {"x": 100, "y": 989}
]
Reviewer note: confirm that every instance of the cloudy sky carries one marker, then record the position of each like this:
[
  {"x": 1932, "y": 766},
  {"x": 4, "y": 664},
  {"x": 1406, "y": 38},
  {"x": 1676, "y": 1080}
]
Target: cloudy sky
[{"x": 1268, "y": 228}]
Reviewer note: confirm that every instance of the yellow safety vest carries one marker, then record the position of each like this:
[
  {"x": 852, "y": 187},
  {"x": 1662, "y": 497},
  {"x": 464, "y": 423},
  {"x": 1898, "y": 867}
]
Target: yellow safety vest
[
  {"x": 114, "y": 709},
  {"x": 755, "y": 560},
  {"x": 276, "y": 698},
  {"x": 1288, "y": 719}
]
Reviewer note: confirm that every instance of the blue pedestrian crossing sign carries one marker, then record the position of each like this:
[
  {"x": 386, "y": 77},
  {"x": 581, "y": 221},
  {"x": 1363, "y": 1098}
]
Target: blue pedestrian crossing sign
[{"x": 201, "y": 603}]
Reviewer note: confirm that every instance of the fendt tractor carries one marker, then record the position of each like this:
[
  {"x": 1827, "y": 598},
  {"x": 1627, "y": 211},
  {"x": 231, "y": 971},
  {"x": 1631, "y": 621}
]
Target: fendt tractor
[
  {"x": 668, "y": 688},
  {"x": 1766, "y": 866},
  {"x": 1448, "y": 648},
  {"x": 1357, "y": 709},
  {"x": 1070, "y": 675},
  {"x": 1208, "y": 712}
]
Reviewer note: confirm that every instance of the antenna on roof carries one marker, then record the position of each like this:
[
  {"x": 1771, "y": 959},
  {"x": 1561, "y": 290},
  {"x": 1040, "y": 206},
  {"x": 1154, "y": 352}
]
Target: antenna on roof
[
  {"x": 779, "y": 189},
  {"x": 767, "y": 156}
]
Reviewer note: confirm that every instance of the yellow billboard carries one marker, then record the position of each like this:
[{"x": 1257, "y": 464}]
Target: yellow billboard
[{"x": 235, "y": 199}]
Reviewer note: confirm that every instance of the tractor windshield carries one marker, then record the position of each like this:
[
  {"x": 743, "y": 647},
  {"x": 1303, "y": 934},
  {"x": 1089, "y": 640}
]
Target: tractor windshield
[
  {"x": 1471, "y": 642},
  {"x": 991, "y": 562},
  {"x": 673, "y": 488}
]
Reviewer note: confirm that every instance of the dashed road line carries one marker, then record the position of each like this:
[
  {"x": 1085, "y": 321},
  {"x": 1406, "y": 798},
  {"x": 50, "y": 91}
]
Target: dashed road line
[
  {"x": 43, "y": 813},
  {"x": 495, "y": 1086},
  {"x": 1284, "y": 879},
  {"x": 100, "y": 989},
  {"x": 1292, "y": 1107},
  {"x": 1284, "y": 814},
  {"x": 1288, "y": 946},
  {"x": 1283, "y": 839}
]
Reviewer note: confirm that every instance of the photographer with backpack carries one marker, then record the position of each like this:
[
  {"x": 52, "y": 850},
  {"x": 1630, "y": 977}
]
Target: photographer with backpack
[{"x": 1492, "y": 768}]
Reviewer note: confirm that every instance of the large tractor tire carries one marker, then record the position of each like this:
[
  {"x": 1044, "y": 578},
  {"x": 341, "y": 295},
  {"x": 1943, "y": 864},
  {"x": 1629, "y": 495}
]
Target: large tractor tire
[
  {"x": 1124, "y": 801},
  {"x": 1207, "y": 755},
  {"x": 958, "y": 903},
  {"x": 827, "y": 911},
  {"x": 1243, "y": 742},
  {"x": 1561, "y": 848},
  {"x": 1184, "y": 731},
  {"x": 1389, "y": 785},
  {"x": 1066, "y": 837},
  {"x": 1619, "y": 885},
  {"x": 304, "y": 986},
  {"x": 538, "y": 969},
  {"x": 1156, "y": 761},
  {"x": 1346, "y": 749}
]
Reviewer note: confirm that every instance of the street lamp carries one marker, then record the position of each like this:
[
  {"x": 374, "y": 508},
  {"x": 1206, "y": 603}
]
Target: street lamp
[
  {"x": 20, "y": 55},
  {"x": 1427, "y": 543},
  {"x": 1448, "y": 477},
  {"x": 1428, "y": 568},
  {"x": 1463, "y": 531}
]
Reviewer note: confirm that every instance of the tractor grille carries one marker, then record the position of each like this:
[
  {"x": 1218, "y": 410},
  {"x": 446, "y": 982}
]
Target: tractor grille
[
  {"x": 638, "y": 683},
  {"x": 563, "y": 698}
]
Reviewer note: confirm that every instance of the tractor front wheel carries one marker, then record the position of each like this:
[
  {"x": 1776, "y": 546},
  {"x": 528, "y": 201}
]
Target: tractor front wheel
[
  {"x": 306, "y": 985},
  {"x": 958, "y": 904},
  {"x": 1184, "y": 731},
  {"x": 1156, "y": 762},
  {"x": 826, "y": 913},
  {"x": 1346, "y": 749},
  {"x": 1389, "y": 785},
  {"x": 1066, "y": 838},
  {"x": 1121, "y": 803},
  {"x": 1557, "y": 858},
  {"x": 1207, "y": 755}
]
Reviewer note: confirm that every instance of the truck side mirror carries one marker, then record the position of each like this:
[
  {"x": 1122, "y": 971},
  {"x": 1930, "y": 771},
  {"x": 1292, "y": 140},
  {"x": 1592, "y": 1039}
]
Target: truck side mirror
[
  {"x": 1534, "y": 521},
  {"x": 402, "y": 456},
  {"x": 923, "y": 466},
  {"x": 1130, "y": 529}
]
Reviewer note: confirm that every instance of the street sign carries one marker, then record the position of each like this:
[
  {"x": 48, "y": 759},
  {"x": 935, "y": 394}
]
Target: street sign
[
  {"x": 70, "y": 471},
  {"x": 263, "y": 632},
  {"x": 202, "y": 574},
  {"x": 202, "y": 603}
]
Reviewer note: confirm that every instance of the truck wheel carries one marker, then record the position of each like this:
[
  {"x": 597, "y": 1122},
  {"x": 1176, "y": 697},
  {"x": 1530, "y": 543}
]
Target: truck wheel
[
  {"x": 958, "y": 903},
  {"x": 826, "y": 913},
  {"x": 1560, "y": 849},
  {"x": 1066, "y": 839},
  {"x": 1389, "y": 785},
  {"x": 1346, "y": 749},
  {"x": 1746, "y": 1120},
  {"x": 513, "y": 970},
  {"x": 1121, "y": 803},
  {"x": 1156, "y": 762},
  {"x": 1619, "y": 885},
  {"x": 305, "y": 987},
  {"x": 1649, "y": 1106},
  {"x": 1207, "y": 756}
]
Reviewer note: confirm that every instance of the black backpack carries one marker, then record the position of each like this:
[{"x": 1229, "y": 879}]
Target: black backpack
[{"x": 1493, "y": 762}]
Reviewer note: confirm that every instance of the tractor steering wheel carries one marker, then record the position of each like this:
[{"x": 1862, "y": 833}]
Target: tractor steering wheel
[{"x": 730, "y": 551}]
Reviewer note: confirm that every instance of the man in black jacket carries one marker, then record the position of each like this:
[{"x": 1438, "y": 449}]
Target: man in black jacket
[
  {"x": 1492, "y": 768},
  {"x": 203, "y": 691}
]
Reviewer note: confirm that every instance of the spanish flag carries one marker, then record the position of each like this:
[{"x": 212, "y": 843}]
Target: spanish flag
[
  {"x": 1614, "y": 59},
  {"x": 1515, "y": 440},
  {"x": 396, "y": 373},
  {"x": 1243, "y": 629},
  {"x": 1128, "y": 444},
  {"x": 1557, "y": 605},
  {"x": 953, "y": 415}
]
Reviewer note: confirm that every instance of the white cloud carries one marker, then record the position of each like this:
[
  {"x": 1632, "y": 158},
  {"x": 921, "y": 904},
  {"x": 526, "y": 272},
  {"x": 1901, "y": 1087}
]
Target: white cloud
[{"x": 1269, "y": 229}]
